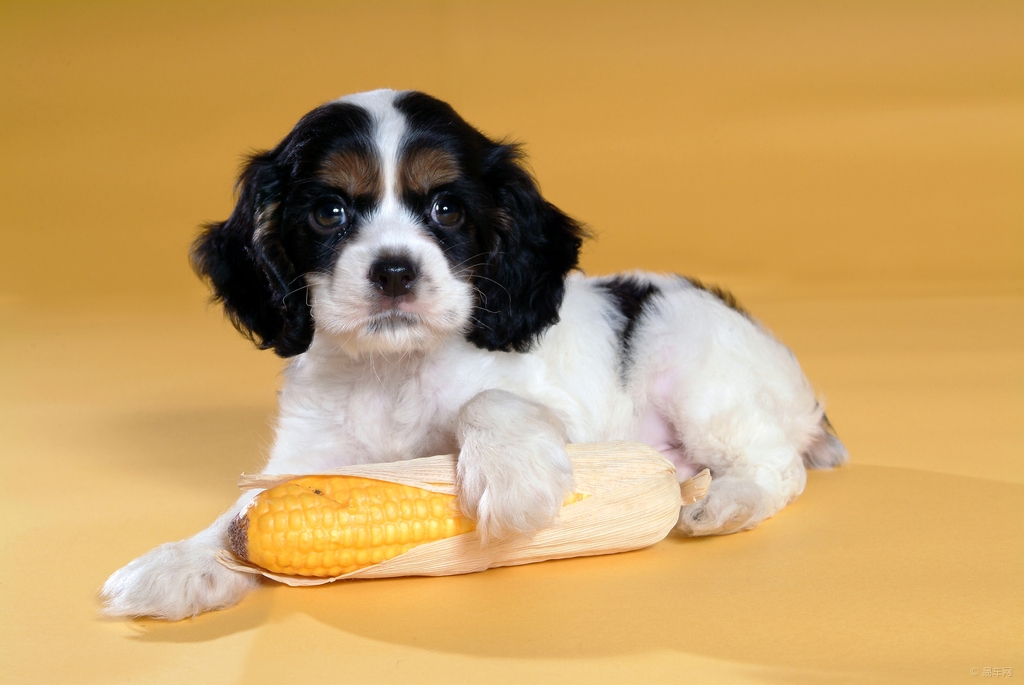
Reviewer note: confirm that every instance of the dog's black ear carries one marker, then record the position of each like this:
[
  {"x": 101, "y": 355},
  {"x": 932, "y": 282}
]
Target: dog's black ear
[
  {"x": 244, "y": 260},
  {"x": 531, "y": 247}
]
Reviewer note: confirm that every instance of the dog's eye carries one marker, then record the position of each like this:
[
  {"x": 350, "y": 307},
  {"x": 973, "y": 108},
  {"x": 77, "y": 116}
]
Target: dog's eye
[
  {"x": 328, "y": 215},
  {"x": 446, "y": 212}
]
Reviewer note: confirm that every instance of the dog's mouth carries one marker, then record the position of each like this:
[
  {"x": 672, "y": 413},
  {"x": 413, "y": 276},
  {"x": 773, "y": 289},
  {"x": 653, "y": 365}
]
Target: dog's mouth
[{"x": 390, "y": 320}]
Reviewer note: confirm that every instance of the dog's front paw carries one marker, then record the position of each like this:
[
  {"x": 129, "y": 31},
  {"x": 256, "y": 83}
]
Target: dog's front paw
[
  {"x": 174, "y": 581},
  {"x": 513, "y": 490},
  {"x": 513, "y": 470}
]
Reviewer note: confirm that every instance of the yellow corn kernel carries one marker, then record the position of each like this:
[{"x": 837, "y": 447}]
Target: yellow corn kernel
[{"x": 327, "y": 526}]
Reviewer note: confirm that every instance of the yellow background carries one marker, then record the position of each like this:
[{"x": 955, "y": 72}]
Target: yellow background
[{"x": 854, "y": 172}]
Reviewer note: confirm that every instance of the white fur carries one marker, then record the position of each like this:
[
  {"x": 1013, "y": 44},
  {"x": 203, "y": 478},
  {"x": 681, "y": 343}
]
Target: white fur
[
  {"x": 708, "y": 388},
  {"x": 513, "y": 471},
  {"x": 180, "y": 579}
]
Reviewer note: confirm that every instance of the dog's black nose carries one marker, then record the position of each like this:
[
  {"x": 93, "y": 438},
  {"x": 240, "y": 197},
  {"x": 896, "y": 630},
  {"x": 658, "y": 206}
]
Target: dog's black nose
[{"x": 394, "y": 276}]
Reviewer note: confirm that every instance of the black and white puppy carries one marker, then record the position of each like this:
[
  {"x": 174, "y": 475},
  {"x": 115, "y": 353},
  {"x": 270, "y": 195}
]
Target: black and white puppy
[{"x": 426, "y": 294}]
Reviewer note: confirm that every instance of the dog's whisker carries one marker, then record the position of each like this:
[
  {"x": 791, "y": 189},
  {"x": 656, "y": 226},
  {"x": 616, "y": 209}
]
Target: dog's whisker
[
  {"x": 497, "y": 283},
  {"x": 476, "y": 256},
  {"x": 480, "y": 323}
]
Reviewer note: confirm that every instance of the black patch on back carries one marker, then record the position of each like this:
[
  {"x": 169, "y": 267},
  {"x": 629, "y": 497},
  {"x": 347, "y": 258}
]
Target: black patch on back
[
  {"x": 632, "y": 298},
  {"x": 726, "y": 297}
]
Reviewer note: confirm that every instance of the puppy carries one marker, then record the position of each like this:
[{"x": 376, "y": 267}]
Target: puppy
[{"x": 426, "y": 294}]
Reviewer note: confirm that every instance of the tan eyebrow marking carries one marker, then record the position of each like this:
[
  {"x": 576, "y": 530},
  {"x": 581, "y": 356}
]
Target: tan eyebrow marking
[
  {"x": 354, "y": 172},
  {"x": 423, "y": 169}
]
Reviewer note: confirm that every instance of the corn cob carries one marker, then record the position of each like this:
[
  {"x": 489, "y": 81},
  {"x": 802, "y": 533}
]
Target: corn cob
[
  {"x": 327, "y": 526},
  {"x": 626, "y": 497}
]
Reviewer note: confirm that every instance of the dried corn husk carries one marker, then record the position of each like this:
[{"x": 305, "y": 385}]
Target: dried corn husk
[{"x": 633, "y": 501}]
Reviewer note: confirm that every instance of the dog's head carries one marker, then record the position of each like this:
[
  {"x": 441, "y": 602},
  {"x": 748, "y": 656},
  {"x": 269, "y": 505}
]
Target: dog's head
[{"x": 386, "y": 222}]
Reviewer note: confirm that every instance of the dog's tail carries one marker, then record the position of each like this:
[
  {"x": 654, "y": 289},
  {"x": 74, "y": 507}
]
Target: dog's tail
[{"x": 825, "y": 451}]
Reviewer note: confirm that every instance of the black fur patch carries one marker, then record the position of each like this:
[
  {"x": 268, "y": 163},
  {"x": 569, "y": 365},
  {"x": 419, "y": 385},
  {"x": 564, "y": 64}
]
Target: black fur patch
[
  {"x": 515, "y": 246},
  {"x": 632, "y": 297},
  {"x": 256, "y": 261},
  {"x": 727, "y": 298},
  {"x": 434, "y": 129}
]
